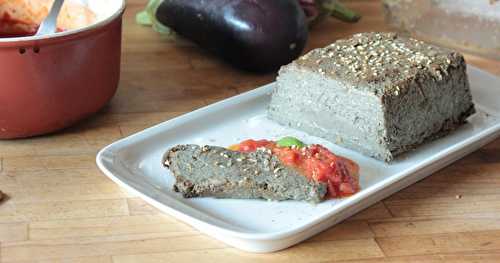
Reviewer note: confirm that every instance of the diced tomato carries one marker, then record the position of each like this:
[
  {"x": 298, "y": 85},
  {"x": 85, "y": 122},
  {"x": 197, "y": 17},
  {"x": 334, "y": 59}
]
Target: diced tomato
[
  {"x": 335, "y": 178},
  {"x": 332, "y": 189},
  {"x": 312, "y": 150},
  {"x": 247, "y": 146},
  {"x": 350, "y": 165},
  {"x": 308, "y": 166},
  {"x": 262, "y": 143},
  {"x": 346, "y": 189},
  {"x": 288, "y": 156},
  {"x": 252, "y": 145},
  {"x": 318, "y": 169},
  {"x": 327, "y": 153},
  {"x": 315, "y": 162}
]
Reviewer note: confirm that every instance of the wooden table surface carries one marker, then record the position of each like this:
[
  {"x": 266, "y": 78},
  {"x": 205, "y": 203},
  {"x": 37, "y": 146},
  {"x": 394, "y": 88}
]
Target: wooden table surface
[{"x": 62, "y": 209}]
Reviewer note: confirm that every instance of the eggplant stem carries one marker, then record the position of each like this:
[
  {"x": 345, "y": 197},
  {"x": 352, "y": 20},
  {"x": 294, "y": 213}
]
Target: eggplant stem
[
  {"x": 341, "y": 12},
  {"x": 142, "y": 18}
]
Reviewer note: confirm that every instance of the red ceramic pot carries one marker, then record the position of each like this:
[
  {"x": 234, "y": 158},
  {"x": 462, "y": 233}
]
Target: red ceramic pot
[{"x": 48, "y": 83}]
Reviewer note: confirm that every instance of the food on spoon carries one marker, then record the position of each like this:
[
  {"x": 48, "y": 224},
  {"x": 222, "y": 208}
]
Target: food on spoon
[
  {"x": 22, "y": 17},
  {"x": 378, "y": 93},
  {"x": 262, "y": 169}
]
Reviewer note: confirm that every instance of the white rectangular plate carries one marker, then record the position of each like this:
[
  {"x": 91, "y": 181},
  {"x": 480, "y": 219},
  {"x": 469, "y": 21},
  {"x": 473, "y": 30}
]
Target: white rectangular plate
[{"x": 261, "y": 226}]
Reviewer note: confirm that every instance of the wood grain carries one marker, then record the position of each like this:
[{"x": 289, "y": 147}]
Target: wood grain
[
  {"x": 62, "y": 209},
  {"x": 307, "y": 252}
]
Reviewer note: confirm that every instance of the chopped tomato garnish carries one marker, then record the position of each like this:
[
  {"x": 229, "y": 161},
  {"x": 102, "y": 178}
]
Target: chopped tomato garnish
[
  {"x": 346, "y": 189},
  {"x": 288, "y": 156},
  {"x": 333, "y": 189},
  {"x": 252, "y": 145},
  {"x": 315, "y": 162},
  {"x": 317, "y": 169}
]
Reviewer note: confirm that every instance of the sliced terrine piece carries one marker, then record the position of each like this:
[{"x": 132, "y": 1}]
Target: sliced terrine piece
[
  {"x": 378, "y": 93},
  {"x": 219, "y": 172}
]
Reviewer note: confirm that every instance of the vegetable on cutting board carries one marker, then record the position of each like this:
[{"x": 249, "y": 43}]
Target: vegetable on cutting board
[{"x": 256, "y": 35}]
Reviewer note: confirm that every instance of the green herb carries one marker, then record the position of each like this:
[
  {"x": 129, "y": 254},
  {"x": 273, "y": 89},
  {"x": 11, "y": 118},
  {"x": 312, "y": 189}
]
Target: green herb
[{"x": 289, "y": 142}]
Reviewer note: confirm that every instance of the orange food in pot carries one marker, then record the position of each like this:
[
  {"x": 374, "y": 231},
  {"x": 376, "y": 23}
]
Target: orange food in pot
[{"x": 22, "y": 17}]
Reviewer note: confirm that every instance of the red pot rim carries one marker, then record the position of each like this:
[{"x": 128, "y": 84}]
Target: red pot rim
[{"x": 16, "y": 40}]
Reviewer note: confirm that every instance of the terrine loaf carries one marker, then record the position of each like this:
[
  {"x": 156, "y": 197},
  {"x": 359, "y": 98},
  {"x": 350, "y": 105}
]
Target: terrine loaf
[
  {"x": 219, "y": 172},
  {"x": 378, "y": 93}
]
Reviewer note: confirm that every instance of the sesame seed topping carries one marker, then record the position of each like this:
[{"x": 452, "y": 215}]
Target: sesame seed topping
[{"x": 380, "y": 60}]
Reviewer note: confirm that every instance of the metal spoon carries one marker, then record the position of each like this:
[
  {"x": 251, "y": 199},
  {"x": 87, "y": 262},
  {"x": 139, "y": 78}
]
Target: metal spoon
[{"x": 49, "y": 24}]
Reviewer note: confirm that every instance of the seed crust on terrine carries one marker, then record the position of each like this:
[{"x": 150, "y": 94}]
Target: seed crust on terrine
[
  {"x": 212, "y": 171},
  {"x": 377, "y": 93}
]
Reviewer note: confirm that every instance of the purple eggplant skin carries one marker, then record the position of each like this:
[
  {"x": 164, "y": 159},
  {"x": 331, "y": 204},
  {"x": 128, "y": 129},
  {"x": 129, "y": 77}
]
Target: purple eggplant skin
[{"x": 255, "y": 35}]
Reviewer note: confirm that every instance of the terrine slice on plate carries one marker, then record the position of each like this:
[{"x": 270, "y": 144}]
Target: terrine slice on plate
[
  {"x": 378, "y": 93},
  {"x": 211, "y": 171}
]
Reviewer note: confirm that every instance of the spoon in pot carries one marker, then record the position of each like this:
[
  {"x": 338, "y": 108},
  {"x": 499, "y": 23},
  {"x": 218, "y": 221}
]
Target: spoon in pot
[{"x": 49, "y": 24}]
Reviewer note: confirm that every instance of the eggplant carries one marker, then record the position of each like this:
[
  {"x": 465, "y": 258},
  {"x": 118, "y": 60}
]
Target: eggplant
[{"x": 256, "y": 35}]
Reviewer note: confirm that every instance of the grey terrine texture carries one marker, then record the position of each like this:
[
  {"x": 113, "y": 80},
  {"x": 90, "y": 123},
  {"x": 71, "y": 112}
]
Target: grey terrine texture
[
  {"x": 378, "y": 93},
  {"x": 222, "y": 173}
]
